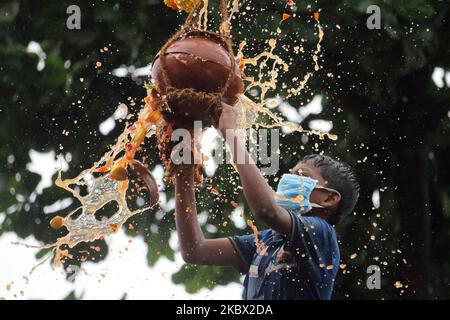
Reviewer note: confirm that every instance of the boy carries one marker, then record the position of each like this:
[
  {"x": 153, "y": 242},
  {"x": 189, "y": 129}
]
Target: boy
[{"x": 297, "y": 257}]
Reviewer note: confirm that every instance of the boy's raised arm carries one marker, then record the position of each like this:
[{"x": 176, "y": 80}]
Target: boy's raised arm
[
  {"x": 257, "y": 191},
  {"x": 194, "y": 247}
]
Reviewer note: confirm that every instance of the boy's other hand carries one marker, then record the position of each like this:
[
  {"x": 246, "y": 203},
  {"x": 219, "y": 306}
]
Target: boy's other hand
[{"x": 228, "y": 119}]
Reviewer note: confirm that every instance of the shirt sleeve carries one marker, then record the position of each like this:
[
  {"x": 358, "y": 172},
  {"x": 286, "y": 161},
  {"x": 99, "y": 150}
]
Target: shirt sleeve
[
  {"x": 245, "y": 247},
  {"x": 310, "y": 242}
]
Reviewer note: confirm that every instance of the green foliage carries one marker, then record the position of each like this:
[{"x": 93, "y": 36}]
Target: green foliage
[{"x": 196, "y": 277}]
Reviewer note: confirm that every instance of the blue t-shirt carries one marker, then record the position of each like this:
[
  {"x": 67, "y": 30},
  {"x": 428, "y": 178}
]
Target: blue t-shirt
[{"x": 302, "y": 266}]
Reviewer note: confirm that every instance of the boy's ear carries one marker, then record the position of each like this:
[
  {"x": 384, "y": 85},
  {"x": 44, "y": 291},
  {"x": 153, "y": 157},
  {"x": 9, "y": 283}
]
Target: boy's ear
[{"x": 331, "y": 200}]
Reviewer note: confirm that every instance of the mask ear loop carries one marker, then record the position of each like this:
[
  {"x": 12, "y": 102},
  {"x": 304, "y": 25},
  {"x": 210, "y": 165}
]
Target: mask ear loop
[{"x": 314, "y": 205}]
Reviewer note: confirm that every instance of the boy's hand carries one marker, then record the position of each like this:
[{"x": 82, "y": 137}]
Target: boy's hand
[{"x": 228, "y": 119}]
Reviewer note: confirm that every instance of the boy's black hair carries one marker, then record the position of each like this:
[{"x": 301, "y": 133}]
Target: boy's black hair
[{"x": 339, "y": 176}]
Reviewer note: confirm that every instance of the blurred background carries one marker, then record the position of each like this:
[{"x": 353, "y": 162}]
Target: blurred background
[{"x": 384, "y": 92}]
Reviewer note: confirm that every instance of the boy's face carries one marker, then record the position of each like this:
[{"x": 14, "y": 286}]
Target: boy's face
[{"x": 326, "y": 198}]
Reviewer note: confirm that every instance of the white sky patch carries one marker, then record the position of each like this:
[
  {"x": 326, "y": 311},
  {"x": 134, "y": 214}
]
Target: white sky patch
[
  {"x": 313, "y": 107},
  {"x": 107, "y": 126},
  {"x": 438, "y": 77},
  {"x": 132, "y": 71},
  {"x": 211, "y": 228},
  {"x": 238, "y": 218},
  {"x": 376, "y": 198},
  {"x": 209, "y": 142},
  {"x": 447, "y": 78},
  {"x": 298, "y": 116},
  {"x": 290, "y": 112},
  {"x": 166, "y": 205},
  {"x": 88, "y": 177},
  {"x": 58, "y": 205},
  {"x": 158, "y": 173},
  {"x": 35, "y": 47},
  {"x": 45, "y": 164},
  {"x": 210, "y": 166},
  {"x": 321, "y": 125},
  {"x": 123, "y": 271},
  {"x": 202, "y": 218},
  {"x": 11, "y": 158},
  {"x": 209, "y": 139},
  {"x": 174, "y": 244},
  {"x": 121, "y": 112},
  {"x": 142, "y": 72},
  {"x": 120, "y": 72}
]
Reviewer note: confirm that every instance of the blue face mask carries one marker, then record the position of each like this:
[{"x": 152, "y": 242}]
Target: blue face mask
[{"x": 293, "y": 192}]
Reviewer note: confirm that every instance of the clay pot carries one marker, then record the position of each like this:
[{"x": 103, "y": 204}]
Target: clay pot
[
  {"x": 149, "y": 180},
  {"x": 199, "y": 61}
]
